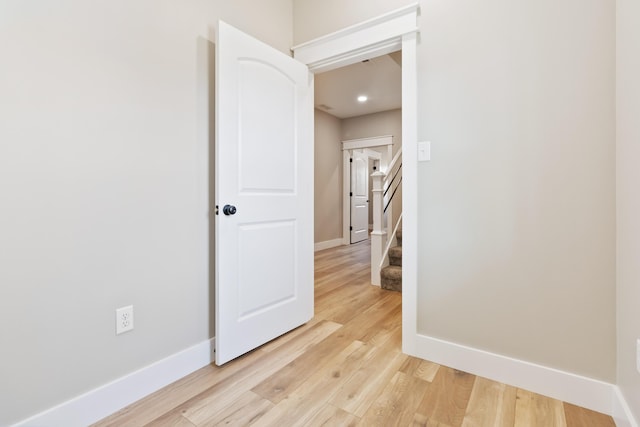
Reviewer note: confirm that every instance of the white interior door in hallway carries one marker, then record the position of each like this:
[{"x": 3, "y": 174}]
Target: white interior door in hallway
[
  {"x": 359, "y": 196},
  {"x": 263, "y": 170}
]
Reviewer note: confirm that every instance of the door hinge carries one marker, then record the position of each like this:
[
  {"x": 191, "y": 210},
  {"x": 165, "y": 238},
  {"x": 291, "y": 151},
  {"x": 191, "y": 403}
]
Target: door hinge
[
  {"x": 350, "y": 228},
  {"x": 350, "y": 193},
  {"x": 350, "y": 160}
]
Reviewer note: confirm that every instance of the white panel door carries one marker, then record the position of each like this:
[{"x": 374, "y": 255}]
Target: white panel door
[
  {"x": 359, "y": 196},
  {"x": 264, "y": 177}
]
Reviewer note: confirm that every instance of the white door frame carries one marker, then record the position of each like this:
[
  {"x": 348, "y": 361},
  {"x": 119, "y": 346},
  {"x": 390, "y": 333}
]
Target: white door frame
[
  {"x": 347, "y": 147},
  {"x": 388, "y": 33}
]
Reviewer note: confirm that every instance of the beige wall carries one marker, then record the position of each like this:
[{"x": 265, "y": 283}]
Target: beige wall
[
  {"x": 328, "y": 178},
  {"x": 372, "y": 125},
  {"x": 104, "y": 176},
  {"x": 516, "y": 209},
  {"x": 628, "y": 198}
]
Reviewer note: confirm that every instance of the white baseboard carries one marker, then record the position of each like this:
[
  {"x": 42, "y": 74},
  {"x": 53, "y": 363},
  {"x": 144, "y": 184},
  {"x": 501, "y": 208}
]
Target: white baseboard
[
  {"x": 576, "y": 389},
  {"x": 328, "y": 244},
  {"x": 622, "y": 414},
  {"x": 111, "y": 397}
]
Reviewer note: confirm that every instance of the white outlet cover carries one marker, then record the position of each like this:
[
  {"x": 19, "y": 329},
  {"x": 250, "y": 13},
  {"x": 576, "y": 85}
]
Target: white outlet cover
[{"x": 124, "y": 319}]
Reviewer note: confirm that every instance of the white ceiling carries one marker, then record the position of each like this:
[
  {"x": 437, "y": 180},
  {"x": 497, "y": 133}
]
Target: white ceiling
[{"x": 380, "y": 79}]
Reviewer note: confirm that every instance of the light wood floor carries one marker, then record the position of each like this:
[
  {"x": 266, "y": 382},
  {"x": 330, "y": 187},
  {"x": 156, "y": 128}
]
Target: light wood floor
[{"x": 345, "y": 368}]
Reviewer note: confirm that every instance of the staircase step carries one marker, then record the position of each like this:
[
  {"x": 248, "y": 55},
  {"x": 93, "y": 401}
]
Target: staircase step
[
  {"x": 399, "y": 236},
  {"x": 395, "y": 255},
  {"x": 391, "y": 278}
]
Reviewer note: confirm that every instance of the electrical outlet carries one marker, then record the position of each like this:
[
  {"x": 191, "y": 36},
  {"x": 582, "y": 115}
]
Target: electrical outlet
[{"x": 124, "y": 319}]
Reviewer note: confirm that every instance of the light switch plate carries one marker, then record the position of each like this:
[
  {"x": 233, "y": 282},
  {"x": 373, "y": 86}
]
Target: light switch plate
[{"x": 424, "y": 151}]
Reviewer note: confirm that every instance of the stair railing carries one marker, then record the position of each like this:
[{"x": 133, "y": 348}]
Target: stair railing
[
  {"x": 384, "y": 188},
  {"x": 390, "y": 187},
  {"x": 393, "y": 241}
]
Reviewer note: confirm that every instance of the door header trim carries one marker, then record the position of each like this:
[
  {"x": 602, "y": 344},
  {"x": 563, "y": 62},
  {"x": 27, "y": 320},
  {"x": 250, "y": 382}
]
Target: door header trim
[
  {"x": 368, "y": 39},
  {"x": 375, "y": 141}
]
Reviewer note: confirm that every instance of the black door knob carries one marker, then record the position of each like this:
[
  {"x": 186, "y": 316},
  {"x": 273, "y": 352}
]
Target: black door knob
[{"x": 229, "y": 209}]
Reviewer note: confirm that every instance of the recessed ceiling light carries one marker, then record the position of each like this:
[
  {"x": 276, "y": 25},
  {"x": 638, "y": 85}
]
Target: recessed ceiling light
[{"x": 362, "y": 98}]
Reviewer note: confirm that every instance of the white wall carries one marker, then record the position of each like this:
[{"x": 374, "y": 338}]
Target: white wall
[
  {"x": 104, "y": 137},
  {"x": 328, "y": 178},
  {"x": 517, "y": 207},
  {"x": 628, "y": 198}
]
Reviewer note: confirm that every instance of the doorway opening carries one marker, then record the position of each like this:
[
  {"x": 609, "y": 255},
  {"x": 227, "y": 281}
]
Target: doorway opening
[
  {"x": 357, "y": 201},
  {"x": 352, "y": 143},
  {"x": 356, "y": 139},
  {"x": 394, "y": 31},
  {"x": 378, "y": 152}
]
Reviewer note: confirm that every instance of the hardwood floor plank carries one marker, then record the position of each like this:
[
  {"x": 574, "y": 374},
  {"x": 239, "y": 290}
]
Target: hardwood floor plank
[
  {"x": 426, "y": 370},
  {"x": 342, "y": 270},
  {"x": 298, "y": 343},
  {"x": 306, "y": 400},
  {"x": 363, "y": 387},
  {"x": 330, "y": 416},
  {"x": 336, "y": 263},
  {"x": 447, "y": 398},
  {"x": 223, "y": 394},
  {"x": 350, "y": 306},
  {"x": 533, "y": 410},
  {"x": 576, "y": 416},
  {"x": 422, "y": 421},
  {"x": 280, "y": 341},
  {"x": 387, "y": 324},
  {"x": 289, "y": 377},
  {"x": 387, "y": 337},
  {"x": 170, "y": 419},
  {"x": 367, "y": 323},
  {"x": 491, "y": 404},
  {"x": 282, "y": 382},
  {"x": 343, "y": 304},
  {"x": 410, "y": 366},
  {"x": 397, "y": 403},
  {"x": 419, "y": 368},
  {"x": 333, "y": 281},
  {"x": 244, "y": 411}
]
